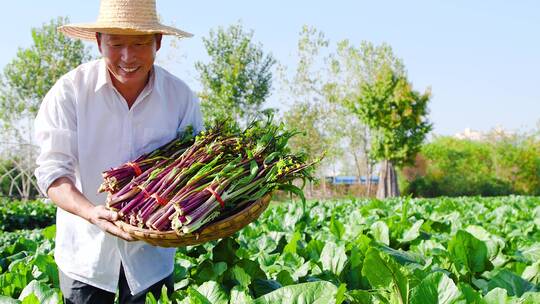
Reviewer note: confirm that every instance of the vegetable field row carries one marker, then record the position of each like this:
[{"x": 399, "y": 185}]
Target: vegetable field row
[{"x": 467, "y": 250}]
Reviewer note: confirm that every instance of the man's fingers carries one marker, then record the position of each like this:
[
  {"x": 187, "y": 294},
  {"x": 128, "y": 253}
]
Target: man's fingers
[
  {"x": 108, "y": 214},
  {"x": 104, "y": 218},
  {"x": 114, "y": 230},
  {"x": 113, "y": 215}
]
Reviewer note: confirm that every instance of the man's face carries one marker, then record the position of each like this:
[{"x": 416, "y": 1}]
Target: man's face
[{"x": 129, "y": 58}]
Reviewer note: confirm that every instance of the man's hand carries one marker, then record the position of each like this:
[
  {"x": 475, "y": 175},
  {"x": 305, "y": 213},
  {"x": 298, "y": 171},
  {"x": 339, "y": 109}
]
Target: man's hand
[
  {"x": 66, "y": 196},
  {"x": 104, "y": 218}
]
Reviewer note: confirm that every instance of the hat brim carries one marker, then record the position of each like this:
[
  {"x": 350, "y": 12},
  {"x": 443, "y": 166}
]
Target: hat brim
[{"x": 87, "y": 31}]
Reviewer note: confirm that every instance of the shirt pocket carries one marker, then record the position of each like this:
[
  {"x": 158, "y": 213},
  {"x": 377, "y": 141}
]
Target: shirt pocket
[{"x": 153, "y": 138}]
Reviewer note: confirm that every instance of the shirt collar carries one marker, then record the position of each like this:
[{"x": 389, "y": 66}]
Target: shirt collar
[
  {"x": 103, "y": 76},
  {"x": 157, "y": 78},
  {"x": 150, "y": 86}
]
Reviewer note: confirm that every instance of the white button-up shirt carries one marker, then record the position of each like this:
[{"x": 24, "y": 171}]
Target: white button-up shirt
[{"x": 85, "y": 127}]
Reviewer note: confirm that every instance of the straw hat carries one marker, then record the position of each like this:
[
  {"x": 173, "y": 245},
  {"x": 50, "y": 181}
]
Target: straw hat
[{"x": 124, "y": 17}]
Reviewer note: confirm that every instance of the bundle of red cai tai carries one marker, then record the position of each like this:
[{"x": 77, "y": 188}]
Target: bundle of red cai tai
[{"x": 193, "y": 181}]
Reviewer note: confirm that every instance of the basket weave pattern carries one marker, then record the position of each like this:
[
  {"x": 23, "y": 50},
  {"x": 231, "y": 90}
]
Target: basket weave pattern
[{"x": 220, "y": 229}]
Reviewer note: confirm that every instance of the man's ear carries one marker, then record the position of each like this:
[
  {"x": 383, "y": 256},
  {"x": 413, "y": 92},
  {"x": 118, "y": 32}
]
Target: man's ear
[
  {"x": 158, "y": 41},
  {"x": 98, "y": 39}
]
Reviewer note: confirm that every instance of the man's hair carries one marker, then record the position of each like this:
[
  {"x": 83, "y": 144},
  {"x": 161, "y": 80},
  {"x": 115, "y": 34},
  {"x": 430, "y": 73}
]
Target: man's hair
[{"x": 99, "y": 34}]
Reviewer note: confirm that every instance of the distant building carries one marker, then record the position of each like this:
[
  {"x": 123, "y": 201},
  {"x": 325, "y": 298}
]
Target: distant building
[
  {"x": 470, "y": 134},
  {"x": 350, "y": 180},
  {"x": 497, "y": 132}
]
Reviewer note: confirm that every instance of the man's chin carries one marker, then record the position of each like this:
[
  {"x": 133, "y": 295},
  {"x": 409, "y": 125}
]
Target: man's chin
[{"x": 129, "y": 80}]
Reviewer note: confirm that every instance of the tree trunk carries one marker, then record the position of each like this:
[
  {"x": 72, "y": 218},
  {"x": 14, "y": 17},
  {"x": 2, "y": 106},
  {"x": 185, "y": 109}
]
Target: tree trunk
[
  {"x": 323, "y": 187},
  {"x": 368, "y": 177},
  {"x": 388, "y": 186},
  {"x": 358, "y": 170},
  {"x": 369, "y": 167}
]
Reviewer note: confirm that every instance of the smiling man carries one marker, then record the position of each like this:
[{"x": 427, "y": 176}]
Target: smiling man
[
  {"x": 129, "y": 59},
  {"x": 102, "y": 114}
]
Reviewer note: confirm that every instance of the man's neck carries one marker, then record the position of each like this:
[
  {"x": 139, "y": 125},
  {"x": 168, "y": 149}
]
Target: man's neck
[{"x": 131, "y": 91}]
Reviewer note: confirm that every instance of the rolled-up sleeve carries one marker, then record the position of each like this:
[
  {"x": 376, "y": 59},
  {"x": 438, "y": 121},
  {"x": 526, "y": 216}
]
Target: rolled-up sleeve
[{"x": 56, "y": 134}]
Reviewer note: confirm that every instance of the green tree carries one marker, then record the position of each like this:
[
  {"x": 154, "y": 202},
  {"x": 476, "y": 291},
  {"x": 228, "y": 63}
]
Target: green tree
[
  {"x": 34, "y": 70},
  {"x": 349, "y": 68},
  {"x": 238, "y": 78},
  {"x": 398, "y": 117},
  {"x": 354, "y": 136},
  {"x": 306, "y": 117},
  {"x": 378, "y": 92},
  {"x": 308, "y": 110},
  {"x": 23, "y": 84},
  {"x": 302, "y": 92}
]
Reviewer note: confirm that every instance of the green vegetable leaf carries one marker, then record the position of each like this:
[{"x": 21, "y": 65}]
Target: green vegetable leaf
[
  {"x": 493, "y": 244},
  {"x": 30, "y": 299},
  {"x": 314, "y": 249},
  {"x": 271, "y": 157},
  {"x": 291, "y": 246},
  {"x": 262, "y": 287},
  {"x": 225, "y": 251},
  {"x": 195, "y": 297},
  {"x": 336, "y": 227},
  {"x": 208, "y": 271},
  {"x": 469, "y": 252},
  {"x": 293, "y": 189},
  {"x": 150, "y": 299},
  {"x": 383, "y": 272},
  {"x": 320, "y": 292},
  {"x": 285, "y": 278},
  {"x": 49, "y": 233},
  {"x": 8, "y": 300},
  {"x": 212, "y": 291},
  {"x": 469, "y": 295},
  {"x": 531, "y": 253},
  {"x": 497, "y": 296},
  {"x": 352, "y": 273},
  {"x": 412, "y": 233},
  {"x": 360, "y": 296},
  {"x": 512, "y": 283},
  {"x": 240, "y": 295},
  {"x": 46, "y": 264},
  {"x": 380, "y": 232},
  {"x": 532, "y": 273},
  {"x": 340, "y": 294},
  {"x": 400, "y": 256},
  {"x": 181, "y": 284},
  {"x": 435, "y": 288},
  {"x": 241, "y": 276},
  {"x": 43, "y": 293},
  {"x": 253, "y": 170},
  {"x": 252, "y": 269},
  {"x": 531, "y": 298},
  {"x": 333, "y": 258}
]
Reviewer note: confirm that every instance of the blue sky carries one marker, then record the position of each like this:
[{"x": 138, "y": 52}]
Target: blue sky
[{"x": 481, "y": 58}]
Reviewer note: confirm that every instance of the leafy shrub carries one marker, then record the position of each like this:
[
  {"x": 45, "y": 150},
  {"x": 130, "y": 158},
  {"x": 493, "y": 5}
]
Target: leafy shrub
[
  {"x": 457, "y": 167},
  {"x": 16, "y": 215}
]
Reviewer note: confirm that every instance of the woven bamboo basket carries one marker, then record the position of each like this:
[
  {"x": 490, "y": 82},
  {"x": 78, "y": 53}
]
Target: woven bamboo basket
[{"x": 220, "y": 229}]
